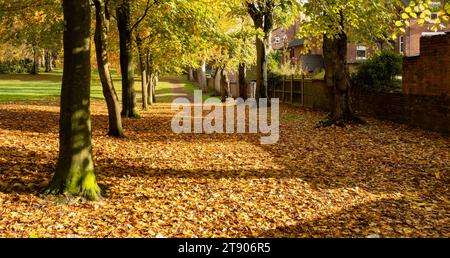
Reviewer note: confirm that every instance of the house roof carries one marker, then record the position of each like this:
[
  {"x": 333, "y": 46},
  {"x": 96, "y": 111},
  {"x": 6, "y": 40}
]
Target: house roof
[{"x": 296, "y": 43}]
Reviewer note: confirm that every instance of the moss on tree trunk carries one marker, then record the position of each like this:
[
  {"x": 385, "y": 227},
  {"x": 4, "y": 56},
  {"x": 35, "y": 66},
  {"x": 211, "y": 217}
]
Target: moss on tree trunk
[{"x": 75, "y": 168}]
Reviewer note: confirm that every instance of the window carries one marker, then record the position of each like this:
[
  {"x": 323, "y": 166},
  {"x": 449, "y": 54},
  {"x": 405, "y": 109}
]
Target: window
[
  {"x": 401, "y": 46},
  {"x": 433, "y": 17},
  {"x": 434, "y": 11},
  {"x": 277, "y": 40},
  {"x": 361, "y": 53},
  {"x": 292, "y": 53}
]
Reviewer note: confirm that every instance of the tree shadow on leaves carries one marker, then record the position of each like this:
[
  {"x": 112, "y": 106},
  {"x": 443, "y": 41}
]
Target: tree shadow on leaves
[
  {"x": 24, "y": 171},
  {"x": 381, "y": 218}
]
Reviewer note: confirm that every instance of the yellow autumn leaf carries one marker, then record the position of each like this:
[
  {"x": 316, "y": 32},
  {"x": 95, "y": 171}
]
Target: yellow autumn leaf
[{"x": 437, "y": 175}]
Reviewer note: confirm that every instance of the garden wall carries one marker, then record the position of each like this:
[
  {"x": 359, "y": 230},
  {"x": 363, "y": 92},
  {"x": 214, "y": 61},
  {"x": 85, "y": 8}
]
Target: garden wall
[
  {"x": 429, "y": 73},
  {"x": 427, "y": 112}
]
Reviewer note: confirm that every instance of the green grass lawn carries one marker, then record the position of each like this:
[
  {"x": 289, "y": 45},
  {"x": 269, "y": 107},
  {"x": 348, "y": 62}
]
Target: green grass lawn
[
  {"x": 17, "y": 87},
  {"x": 47, "y": 86}
]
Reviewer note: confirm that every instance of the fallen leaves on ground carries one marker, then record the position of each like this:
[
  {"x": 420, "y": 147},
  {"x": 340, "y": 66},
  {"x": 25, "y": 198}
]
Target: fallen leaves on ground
[{"x": 380, "y": 179}]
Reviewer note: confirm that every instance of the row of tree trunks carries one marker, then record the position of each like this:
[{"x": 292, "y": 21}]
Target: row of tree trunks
[
  {"x": 75, "y": 167},
  {"x": 101, "y": 45},
  {"x": 221, "y": 82},
  {"x": 43, "y": 58}
]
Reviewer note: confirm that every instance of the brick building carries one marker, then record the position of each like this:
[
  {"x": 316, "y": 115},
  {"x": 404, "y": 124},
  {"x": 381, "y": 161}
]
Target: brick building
[
  {"x": 407, "y": 44},
  {"x": 284, "y": 39}
]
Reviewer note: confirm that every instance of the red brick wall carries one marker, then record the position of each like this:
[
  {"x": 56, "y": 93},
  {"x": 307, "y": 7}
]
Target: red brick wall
[
  {"x": 429, "y": 73},
  {"x": 427, "y": 112}
]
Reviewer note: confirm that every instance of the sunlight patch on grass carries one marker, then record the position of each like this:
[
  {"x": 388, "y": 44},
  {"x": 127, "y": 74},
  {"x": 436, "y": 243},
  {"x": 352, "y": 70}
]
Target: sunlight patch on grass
[{"x": 45, "y": 86}]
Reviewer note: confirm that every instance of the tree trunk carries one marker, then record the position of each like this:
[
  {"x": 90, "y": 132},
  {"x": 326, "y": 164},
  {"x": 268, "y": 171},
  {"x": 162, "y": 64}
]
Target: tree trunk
[
  {"x": 42, "y": 58},
  {"x": 261, "y": 68},
  {"x": 262, "y": 19},
  {"x": 242, "y": 81},
  {"x": 155, "y": 80},
  {"x": 190, "y": 74},
  {"x": 260, "y": 53},
  {"x": 337, "y": 80},
  {"x": 48, "y": 61},
  {"x": 144, "y": 77},
  {"x": 54, "y": 58},
  {"x": 126, "y": 60},
  {"x": 265, "y": 61},
  {"x": 75, "y": 168},
  {"x": 101, "y": 46},
  {"x": 35, "y": 69},
  {"x": 224, "y": 85},
  {"x": 202, "y": 77},
  {"x": 217, "y": 81},
  {"x": 151, "y": 79}
]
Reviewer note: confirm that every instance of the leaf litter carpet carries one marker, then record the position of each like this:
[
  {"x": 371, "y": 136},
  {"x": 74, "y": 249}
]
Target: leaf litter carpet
[{"x": 382, "y": 178}]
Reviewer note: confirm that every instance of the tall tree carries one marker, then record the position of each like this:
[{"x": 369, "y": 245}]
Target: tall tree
[
  {"x": 102, "y": 18},
  {"x": 123, "y": 13},
  {"x": 266, "y": 14},
  {"x": 143, "y": 68},
  {"x": 75, "y": 167},
  {"x": 334, "y": 23},
  {"x": 126, "y": 27}
]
